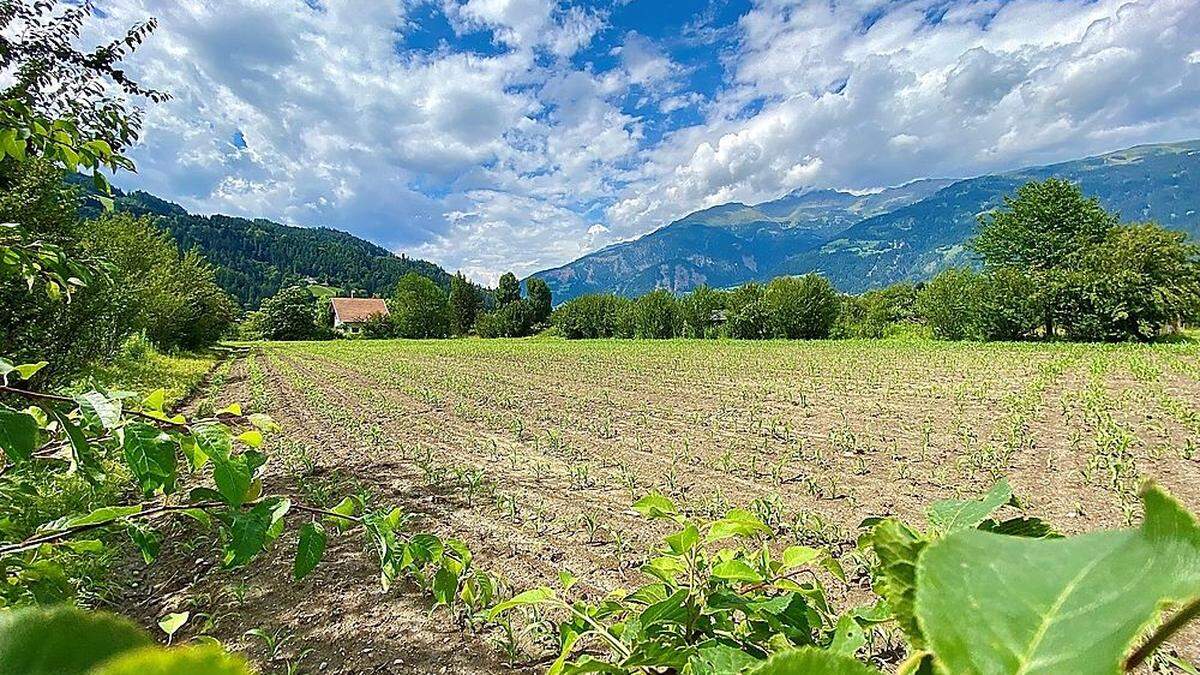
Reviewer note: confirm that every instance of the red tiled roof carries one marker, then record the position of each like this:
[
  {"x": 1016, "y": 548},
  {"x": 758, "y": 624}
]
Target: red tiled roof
[{"x": 355, "y": 310}]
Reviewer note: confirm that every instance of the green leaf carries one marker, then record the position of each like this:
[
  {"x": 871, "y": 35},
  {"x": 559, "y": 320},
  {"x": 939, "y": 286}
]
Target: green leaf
[
  {"x": 1070, "y": 605},
  {"x": 171, "y": 623},
  {"x": 654, "y": 505},
  {"x": 810, "y": 661},
  {"x": 100, "y": 409},
  {"x": 150, "y": 454},
  {"x": 213, "y": 439},
  {"x": 346, "y": 507},
  {"x": 251, "y": 437},
  {"x": 155, "y": 400},
  {"x": 898, "y": 549},
  {"x": 18, "y": 434},
  {"x": 534, "y": 596},
  {"x": 310, "y": 549},
  {"x": 233, "y": 478},
  {"x": 736, "y": 523},
  {"x": 445, "y": 586},
  {"x": 950, "y": 516},
  {"x": 684, "y": 540},
  {"x": 716, "y": 658},
  {"x": 203, "y": 660},
  {"x": 736, "y": 570},
  {"x": 63, "y": 640},
  {"x": 28, "y": 370},
  {"x": 148, "y": 541},
  {"x": 83, "y": 455},
  {"x": 848, "y": 636},
  {"x": 795, "y": 556},
  {"x": 673, "y": 610},
  {"x": 249, "y": 532},
  {"x": 104, "y": 515}
]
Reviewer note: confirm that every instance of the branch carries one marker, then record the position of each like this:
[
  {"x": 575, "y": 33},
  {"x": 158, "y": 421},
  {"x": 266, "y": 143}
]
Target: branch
[
  {"x": 39, "y": 396},
  {"x": 155, "y": 510}
]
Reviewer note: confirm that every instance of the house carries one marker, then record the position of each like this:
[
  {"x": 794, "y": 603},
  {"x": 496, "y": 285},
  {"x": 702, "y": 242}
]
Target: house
[{"x": 349, "y": 314}]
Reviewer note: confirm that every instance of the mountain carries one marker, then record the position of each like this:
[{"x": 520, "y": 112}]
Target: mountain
[
  {"x": 870, "y": 240},
  {"x": 255, "y": 258}
]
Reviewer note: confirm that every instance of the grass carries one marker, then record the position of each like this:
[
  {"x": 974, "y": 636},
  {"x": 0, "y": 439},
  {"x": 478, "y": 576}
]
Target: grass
[{"x": 142, "y": 368}]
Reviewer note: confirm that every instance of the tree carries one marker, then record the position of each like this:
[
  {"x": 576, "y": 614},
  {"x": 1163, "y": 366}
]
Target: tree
[
  {"x": 698, "y": 311},
  {"x": 874, "y": 313},
  {"x": 801, "y": 307},
  {"x": 516, "y": 319},
  {"x": 588, "y": 316},
  {"x": 419, "y": 308},
  {"x": 656, "y": 315},
  {"x": 745, "y": 314},
  {"x": 508, "y": 290},
  {"x": 291, "y": 314},
  {"x": 950, "y": 304},
  {"x": 1141, "y": 279},
  {"x": 540, "y": 299},
  {"x": 464, "y": 305},
  {"x": 1044, "y": 231}
]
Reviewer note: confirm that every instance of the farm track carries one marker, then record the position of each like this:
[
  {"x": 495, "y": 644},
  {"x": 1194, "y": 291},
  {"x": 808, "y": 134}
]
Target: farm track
[{"x": 813, "y": 436}]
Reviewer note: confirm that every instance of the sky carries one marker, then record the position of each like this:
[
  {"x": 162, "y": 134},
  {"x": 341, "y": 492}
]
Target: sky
[{"x": 496, "y": 135}]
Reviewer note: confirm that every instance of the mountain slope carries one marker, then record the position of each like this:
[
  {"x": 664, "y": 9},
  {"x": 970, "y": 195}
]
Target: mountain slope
[
  {"x": 1158, "y": 182},
  {"x": 866, "y": 241},
  {"x": 727, "y": 244},
  {"x": 255, "y": 258}
]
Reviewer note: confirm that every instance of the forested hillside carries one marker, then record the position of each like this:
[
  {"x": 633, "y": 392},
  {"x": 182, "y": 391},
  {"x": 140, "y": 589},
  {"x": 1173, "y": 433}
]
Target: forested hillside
[{"x": 255, "y": 258}]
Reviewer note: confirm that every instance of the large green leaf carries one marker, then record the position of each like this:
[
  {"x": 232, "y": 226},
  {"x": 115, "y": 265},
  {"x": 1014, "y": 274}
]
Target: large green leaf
[
  {"x": 898, "y": 549},
  {"x": 62, "y": 641},
  {"x": 18, "y": 434},
  {"x": 151, "y": 456},
  {"x": 810, "y": 661},
  {"x": 991, "y": 603},
  {"x": 950, "y": 516}
]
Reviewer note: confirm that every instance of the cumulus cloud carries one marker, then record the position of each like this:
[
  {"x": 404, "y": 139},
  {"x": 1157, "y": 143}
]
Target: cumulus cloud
[
  {"x": 565, "y": 132},
  {"x": 863, "y": 94}
]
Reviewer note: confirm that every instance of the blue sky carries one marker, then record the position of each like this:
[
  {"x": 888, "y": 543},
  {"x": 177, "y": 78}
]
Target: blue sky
[{"x": 490, "y": 135}]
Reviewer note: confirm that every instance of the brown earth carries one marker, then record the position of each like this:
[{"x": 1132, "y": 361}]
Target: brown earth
[{"x": 532, "y": 451}]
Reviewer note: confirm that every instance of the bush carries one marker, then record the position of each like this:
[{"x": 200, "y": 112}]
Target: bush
[
  {"x": 698, "y": 311},
  {"x": 656, "y": 315},
  {"x": 746, "y": 315},
  {"x": 950, "y": 304},
  {"x": 540, "y": 299},
  {"x": 876, "y": 313},
  {"x": 1008, "y": 307},
  {"x": 801, "y": 307},
  {"x": 589, "y": 316},
  {"x": 419, "y": 308},
  {"x": 516, "y": 319},
  {"x": 1140, "y": 280},
  {"x": 291, "y": 314}
]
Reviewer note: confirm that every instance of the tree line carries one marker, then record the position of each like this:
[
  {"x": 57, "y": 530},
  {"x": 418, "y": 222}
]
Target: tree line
[
  {"x": 1053, "y": 264},
  {"x": 418, "y": 308}
]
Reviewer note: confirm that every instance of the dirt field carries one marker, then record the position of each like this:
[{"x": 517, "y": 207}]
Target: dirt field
[{"x": 532, "y": 451}]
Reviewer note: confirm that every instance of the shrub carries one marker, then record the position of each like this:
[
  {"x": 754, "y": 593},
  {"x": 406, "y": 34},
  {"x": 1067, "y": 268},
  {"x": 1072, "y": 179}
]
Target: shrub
[
  {"x": 540, "y": 299},
  {"x": 291, "y": 314},
  {"x": 589, "y": 316},
  {"x": 656, "y": 315},
  {"x": 746, "y": 315},
  {"x": 950, "y": 304},
  {"x": 515, "y": 319},
  {"x": 419, "y": 308},
  {"x": 801, "y": 307},
  {"x": 697, "y": 312}
]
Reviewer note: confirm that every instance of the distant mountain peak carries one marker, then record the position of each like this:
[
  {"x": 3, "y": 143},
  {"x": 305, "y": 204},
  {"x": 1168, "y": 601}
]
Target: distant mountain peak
[{"x": 868, "y": 239}]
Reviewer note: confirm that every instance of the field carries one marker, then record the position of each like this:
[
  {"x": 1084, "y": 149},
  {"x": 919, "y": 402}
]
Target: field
[{"x": 532, "y": 451}]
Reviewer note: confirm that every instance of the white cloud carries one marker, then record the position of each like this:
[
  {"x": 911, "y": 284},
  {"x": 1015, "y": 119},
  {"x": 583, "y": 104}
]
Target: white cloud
[
  {"x": 529, "y": 154},
  {"x": 846, "y": 103}
]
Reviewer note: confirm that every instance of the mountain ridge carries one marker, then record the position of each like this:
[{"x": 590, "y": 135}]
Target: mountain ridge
[{"x": 868, "y": 240}]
